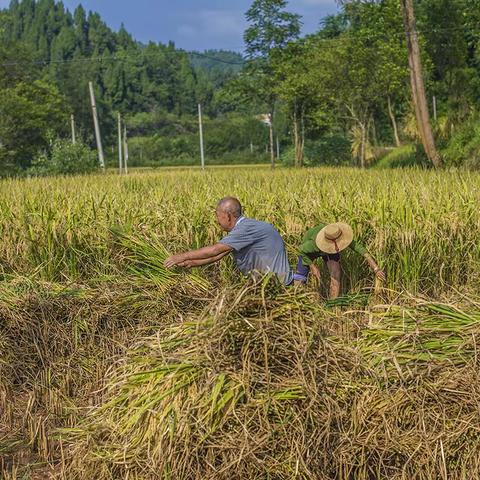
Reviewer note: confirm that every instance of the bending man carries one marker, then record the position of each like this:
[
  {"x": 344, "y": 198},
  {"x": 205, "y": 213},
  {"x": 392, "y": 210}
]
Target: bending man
[
  {"x": 257, "y": 247},
  {"x": 327, "y": 242}
]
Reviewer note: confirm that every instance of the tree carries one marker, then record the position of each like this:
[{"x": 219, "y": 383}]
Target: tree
[
  {"x": 65, "y": 158},
  {"x": 416, "y": 80},
  {"x": 418, "y": 86},
  {"x": 299, "y": 94},
  {"x": 29, "y": 112},
  {"x": 81, "y": 29},
  {"x": 270, "y": 30},
  {"x": 452, "y": 75},
  {"x": 375, "y": 29}
]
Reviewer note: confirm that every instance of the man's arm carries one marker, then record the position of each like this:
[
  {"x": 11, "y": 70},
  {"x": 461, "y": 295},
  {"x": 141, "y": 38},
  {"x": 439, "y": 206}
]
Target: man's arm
[
  {"x": 301, "y": 275},
  {"x": 203, "y": 261},
  {"x": 315, "y": 271},
  {"x": 209, "y": 254}
]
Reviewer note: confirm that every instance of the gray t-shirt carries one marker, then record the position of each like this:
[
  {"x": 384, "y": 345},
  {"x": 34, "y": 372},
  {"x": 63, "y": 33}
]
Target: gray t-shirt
[{"x": 258, "y": 247}]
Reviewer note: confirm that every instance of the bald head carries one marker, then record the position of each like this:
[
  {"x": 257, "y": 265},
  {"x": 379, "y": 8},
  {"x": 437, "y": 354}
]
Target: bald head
[
  {"x": 228, "y": 211},
  {"x": 231, "y": 206}
]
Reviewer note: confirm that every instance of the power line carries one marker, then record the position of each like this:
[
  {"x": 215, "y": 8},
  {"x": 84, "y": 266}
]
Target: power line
[
  {"x": 327, "y": 41},
  {"x": 112, "y": 58}
]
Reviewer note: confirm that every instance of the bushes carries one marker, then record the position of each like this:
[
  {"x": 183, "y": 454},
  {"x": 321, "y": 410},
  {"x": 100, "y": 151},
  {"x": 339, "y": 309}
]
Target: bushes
[
  {"x": 226, "y": 138},
  {"x": 65, "y": 158},
  {"x": 28, "y": 113},
  {"x": 332, "y": 149},
  {"x": 159, "y": 151},
  {"x": 401, "y": 157},
  {"x": 463, "y": 149}
]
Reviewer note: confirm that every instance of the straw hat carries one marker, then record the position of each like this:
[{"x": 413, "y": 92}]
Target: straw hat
[{"x": 334, "y": 238}]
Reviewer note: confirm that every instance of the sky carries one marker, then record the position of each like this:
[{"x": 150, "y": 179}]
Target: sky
[{"x": 192, "y": 24}]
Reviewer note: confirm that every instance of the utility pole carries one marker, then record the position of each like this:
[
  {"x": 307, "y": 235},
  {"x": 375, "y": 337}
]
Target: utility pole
[
  {"x": 125, "y": 147},
  {"x": 72, "y": 123},
  {"x": 101, "y": 158},
  {"x": 200, "y": 124},
  {"x": 120, "y": 146}
]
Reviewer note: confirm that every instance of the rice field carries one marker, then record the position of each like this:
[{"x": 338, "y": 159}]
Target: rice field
[{"x": 112, "y": 367}]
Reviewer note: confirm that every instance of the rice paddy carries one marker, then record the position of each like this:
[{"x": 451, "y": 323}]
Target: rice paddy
[{"x": 113, "y": 367}]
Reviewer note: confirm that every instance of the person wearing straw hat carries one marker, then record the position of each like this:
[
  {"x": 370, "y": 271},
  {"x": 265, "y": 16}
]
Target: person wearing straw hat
[{"x": 327, "y": 242}]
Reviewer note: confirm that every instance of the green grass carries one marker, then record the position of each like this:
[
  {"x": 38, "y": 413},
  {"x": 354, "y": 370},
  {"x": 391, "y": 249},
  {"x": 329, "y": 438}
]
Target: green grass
[{"x": 401, "y": 157}]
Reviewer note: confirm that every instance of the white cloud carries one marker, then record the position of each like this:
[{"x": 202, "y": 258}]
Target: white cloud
[
  {"x": 219, "y": 25},
  {"x": 222, "y": 22}
]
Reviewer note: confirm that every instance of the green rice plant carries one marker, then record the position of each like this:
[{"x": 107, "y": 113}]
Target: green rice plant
[
  {"x": 421, "y": 225},
  {"x": 145, "y": 259},
  {"x": 403, "y": 339}
]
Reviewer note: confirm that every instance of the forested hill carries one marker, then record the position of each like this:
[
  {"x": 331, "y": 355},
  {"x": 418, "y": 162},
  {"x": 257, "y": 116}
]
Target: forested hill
[
  {"x": 75, "y": 48},
  {"x": 219, "y": 65}
]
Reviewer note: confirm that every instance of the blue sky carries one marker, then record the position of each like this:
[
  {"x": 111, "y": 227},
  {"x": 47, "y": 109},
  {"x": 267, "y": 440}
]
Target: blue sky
[{"x": 192, "y": 24}]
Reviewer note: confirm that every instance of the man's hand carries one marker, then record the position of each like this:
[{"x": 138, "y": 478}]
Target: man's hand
[
  {"x": 174, "y": 260},
  {"x": 187, "y": 264}
]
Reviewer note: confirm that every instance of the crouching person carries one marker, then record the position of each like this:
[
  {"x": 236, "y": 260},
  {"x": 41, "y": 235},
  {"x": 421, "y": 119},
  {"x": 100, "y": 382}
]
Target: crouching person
[
  {"x": 257, "y": 247},
  {"x": 327, "y": 242}
]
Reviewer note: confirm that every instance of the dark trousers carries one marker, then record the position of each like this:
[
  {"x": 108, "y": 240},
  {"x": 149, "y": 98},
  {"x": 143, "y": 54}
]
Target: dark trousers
[{"x": 302, "y": 270}]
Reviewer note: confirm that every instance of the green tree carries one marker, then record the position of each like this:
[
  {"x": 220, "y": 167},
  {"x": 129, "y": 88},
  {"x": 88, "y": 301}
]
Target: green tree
[
  {"x": 270, "y": 29},
  {"x": 65, "y": 158},
  {"x": 378, "y": 72},
  {"x": 296, "y": 90},
  {"x": 417, "y": 81},
  {"x": 29, "y": 112}
]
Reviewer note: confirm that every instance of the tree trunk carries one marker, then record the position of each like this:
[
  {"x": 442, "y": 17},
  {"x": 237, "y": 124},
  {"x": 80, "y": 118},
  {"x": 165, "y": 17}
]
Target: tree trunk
[
  {"x": 295, "y": 136},
  {"x": 363, "y": 144},
  {"x": 302, "y": 141},
  {"x": 298, "y": 139},
  {"x": 418, "y": 87},
  {"x": 272, "y": 151},
  {"x": 394, "y": 123}
]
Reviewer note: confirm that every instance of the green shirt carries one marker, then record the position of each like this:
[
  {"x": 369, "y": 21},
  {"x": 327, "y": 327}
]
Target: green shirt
[{"x": 309, "y": 248}]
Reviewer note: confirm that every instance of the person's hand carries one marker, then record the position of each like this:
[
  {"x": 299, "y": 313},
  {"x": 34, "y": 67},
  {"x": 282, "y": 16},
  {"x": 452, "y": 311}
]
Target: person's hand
[
  {"x": 315, "y": 271},
  {"x": 174, "y": 260},
  {"x": 380, "y": 274},
  {"x": 186, "y": 264}
]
